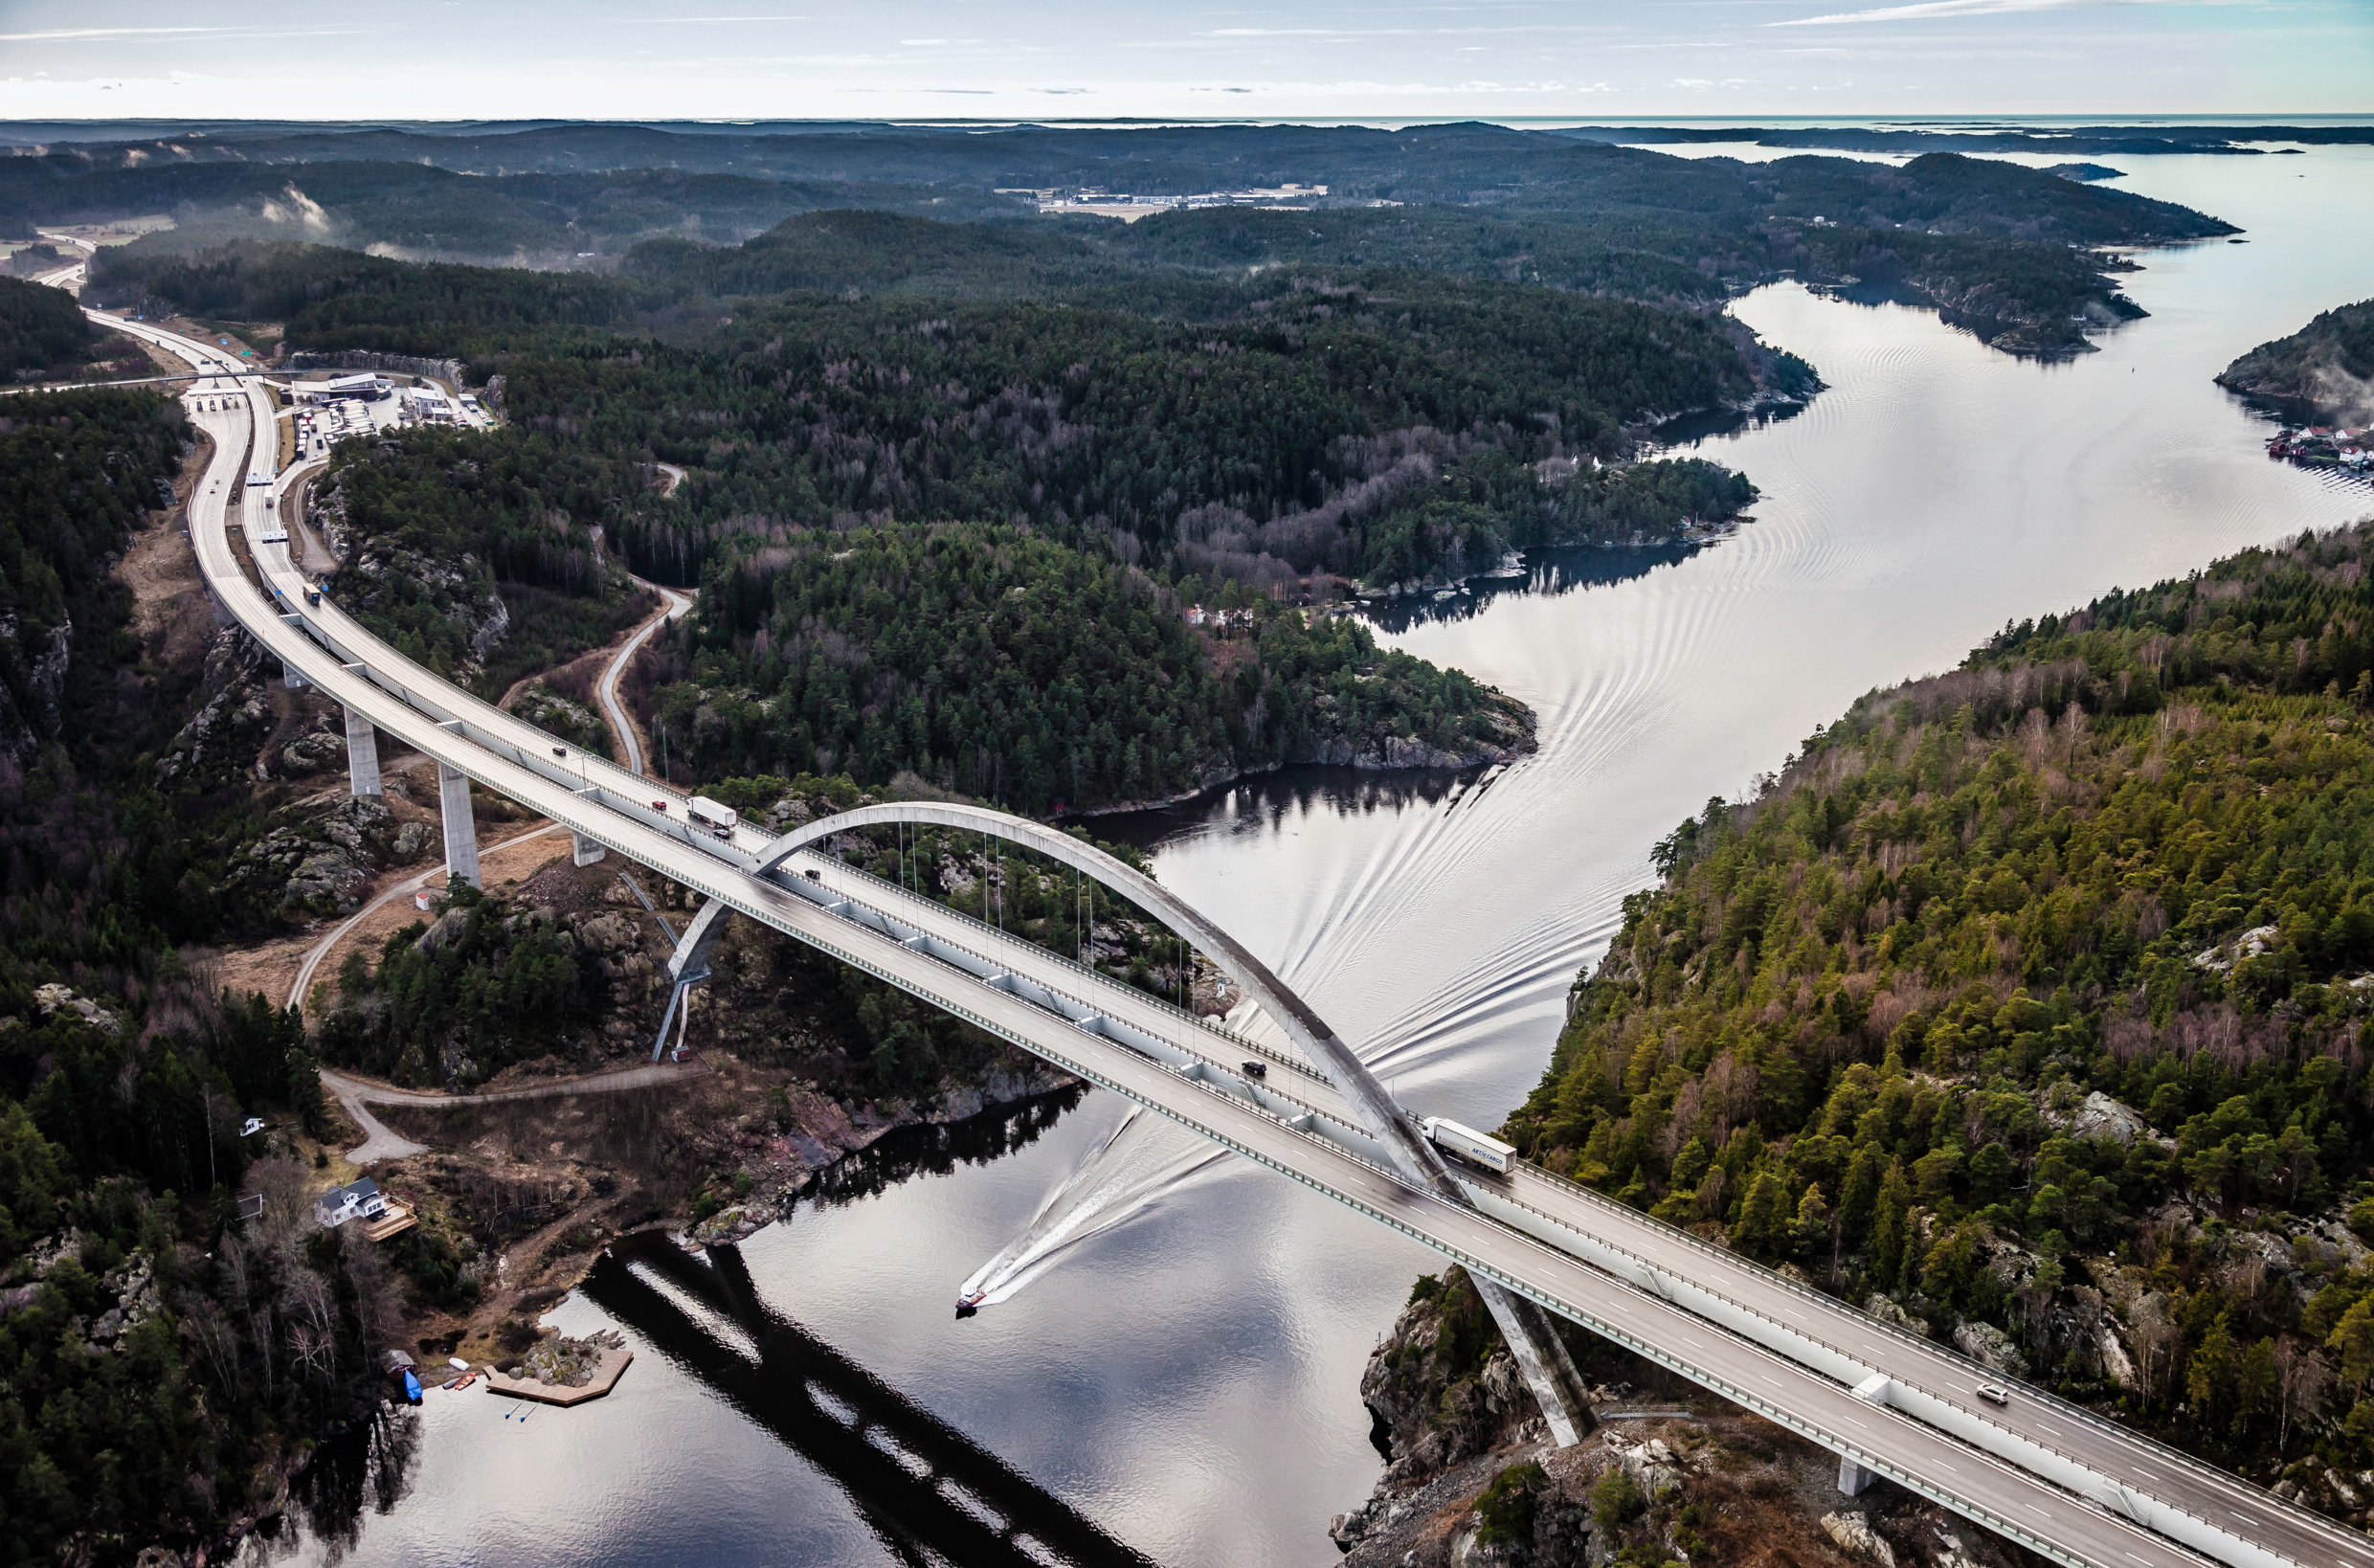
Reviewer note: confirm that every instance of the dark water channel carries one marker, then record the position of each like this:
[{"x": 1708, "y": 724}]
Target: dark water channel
[{"x": 1179, "y": 1385}]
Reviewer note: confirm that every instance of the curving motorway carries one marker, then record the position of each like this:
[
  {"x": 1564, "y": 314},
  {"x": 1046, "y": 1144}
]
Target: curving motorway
[{"x": 2067, "y": 1484}]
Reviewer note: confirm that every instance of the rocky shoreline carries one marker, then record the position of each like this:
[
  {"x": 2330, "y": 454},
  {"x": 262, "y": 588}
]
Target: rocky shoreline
[{"x": 1669, "y": 1473}]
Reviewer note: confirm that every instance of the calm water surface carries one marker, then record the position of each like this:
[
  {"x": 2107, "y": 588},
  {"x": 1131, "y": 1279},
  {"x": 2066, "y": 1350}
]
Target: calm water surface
[{"x": 1185, "y": 1379}]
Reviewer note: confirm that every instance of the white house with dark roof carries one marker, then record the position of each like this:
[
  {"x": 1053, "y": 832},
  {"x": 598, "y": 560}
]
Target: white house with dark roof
[{"x": 355, "y": 1201}]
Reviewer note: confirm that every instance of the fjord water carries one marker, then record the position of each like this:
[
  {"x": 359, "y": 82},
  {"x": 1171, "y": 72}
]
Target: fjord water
[{"x": 1187, "y": 1375}]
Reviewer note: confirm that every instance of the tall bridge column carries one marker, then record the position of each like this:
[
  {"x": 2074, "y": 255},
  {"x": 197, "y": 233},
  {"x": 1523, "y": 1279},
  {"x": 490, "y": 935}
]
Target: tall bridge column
[
  {"x": 582, "y": 850},
  {"x": 453, "y": 795},
  {"x": 1550, "y": 1373},
  {"x": 362, "y": 755}
]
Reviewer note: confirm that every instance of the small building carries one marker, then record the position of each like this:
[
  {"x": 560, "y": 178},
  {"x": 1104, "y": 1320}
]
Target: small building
[
  {"x": 355, "y": 1201},
  {"x": 362, "y": 388}
]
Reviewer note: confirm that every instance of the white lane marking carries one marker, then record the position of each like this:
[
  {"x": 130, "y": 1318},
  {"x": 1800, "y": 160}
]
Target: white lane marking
[{"x": 2042, "y": 1427}]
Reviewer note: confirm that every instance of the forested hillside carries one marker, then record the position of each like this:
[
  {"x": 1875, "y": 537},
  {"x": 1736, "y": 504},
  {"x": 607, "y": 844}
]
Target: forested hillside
[
  {"x": 159, "y": 1364},
  {"x": 1390, "y": 425},
  {"x": 44, "y": 336},
  {"x": 480, "y": 558},
  {"x": 1477, "y": 201},
  {"x": 1002, "y": 666},
  {"x": 422, "y": 212},
  {"x": 2325, "y": 370},
  {"x": 2029, "y": 1004},
  {"x": 1285, "y": 439}
]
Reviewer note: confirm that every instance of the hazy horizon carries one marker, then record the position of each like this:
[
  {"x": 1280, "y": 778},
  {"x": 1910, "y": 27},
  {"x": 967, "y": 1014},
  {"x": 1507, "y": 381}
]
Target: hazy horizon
[{"x": 959, "y": 61}]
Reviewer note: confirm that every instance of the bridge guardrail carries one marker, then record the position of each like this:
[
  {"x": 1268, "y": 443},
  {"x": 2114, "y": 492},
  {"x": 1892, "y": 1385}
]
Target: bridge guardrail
[
  {"x": 1234, "y": 1041},
  {"x": 1987, "y": 1436},
  {"x": 992, "y": 963},
  {"x": 1930, "y": 1352}
]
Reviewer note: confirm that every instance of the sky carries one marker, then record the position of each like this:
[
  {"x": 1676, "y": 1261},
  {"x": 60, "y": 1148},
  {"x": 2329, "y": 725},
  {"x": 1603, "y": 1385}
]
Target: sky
[{"x": 1074, "y": 59}]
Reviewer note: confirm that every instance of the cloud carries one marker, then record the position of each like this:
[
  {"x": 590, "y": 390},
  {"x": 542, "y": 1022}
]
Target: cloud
[
  {"x": 120, "y": 34},
  {"x": 66, "y": 33},
  {"x": 1933, "y": 9}
]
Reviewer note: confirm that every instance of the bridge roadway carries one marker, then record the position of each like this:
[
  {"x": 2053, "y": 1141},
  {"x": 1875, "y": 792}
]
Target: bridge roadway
[{"x": 2077, "y": 1487}]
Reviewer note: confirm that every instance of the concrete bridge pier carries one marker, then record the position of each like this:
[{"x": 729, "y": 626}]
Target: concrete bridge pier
[
  {"x": 582, "y": 850},
  {"x": 362, "y": 755},
  {"x": 688, "y": 968},
  {"x": 1540, "y": 1354},
  {"x": 290, "y": 675},
  {"x": 453, "y": 795},
  {"x": 1852, "y": 1477}
]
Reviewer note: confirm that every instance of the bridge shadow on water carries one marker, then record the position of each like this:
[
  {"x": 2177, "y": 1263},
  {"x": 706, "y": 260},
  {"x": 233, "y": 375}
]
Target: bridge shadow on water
[{"x": 930, "y": 1494}]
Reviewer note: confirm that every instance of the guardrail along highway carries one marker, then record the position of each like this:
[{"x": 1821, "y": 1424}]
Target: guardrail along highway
[{"x": 2075, "y": 1487}]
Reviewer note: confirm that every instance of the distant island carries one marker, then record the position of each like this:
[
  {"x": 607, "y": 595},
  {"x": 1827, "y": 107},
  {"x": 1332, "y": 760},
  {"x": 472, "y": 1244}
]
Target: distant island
[{"x": 2323, "y": 372}]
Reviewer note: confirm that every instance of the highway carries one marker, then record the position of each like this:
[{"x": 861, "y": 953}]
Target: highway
[{"x": 2069, "y": 1484}]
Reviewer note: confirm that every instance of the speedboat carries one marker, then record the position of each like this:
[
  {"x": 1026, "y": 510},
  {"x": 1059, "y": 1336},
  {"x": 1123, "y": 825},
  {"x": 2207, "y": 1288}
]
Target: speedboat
[{"x": 969, "y": 1303}]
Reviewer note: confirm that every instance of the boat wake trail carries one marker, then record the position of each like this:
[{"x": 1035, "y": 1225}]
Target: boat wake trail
[{"x": 1143, "y": 1162}]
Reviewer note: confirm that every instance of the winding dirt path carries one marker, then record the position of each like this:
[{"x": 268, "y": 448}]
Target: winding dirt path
[
  {"x": 380, "y": 1141},
  {"x": 319, "y": 954}
]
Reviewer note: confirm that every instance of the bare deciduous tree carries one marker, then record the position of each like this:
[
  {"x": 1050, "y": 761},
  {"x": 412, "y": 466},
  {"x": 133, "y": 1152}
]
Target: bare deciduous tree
[
  {"x": 2302, "y": 1378},
  {"x": 2155, "y": 1342},
  {"x": 217, "y": 1340}
]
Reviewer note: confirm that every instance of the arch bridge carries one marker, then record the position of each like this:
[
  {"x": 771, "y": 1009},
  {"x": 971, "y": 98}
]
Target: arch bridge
[{"x": 2077, "y": 1487}]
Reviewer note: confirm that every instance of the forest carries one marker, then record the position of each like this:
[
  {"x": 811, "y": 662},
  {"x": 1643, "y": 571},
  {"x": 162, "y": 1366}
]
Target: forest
[
  {"x": 2027, "y": 1004},
  {"x": 1475, "y": 201},
  {"x": 39, "y": 327},
  {"x": 1275, "y": 442},
  {"x": 1258, "y": 430},
  {"x": 157, "y": 1357},
  {"x": 45, "y": 337},
  {"x": 1002, "y": 666},
  {"x": 480, "y": 559}
]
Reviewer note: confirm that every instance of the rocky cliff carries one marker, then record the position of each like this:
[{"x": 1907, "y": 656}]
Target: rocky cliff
[{"x": 1670, "y": 1476}]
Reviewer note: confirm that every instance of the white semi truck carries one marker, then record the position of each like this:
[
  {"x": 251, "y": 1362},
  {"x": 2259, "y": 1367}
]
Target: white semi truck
[
  {"x": 714, "y": 816},
  {"x": 1476, "y": 1147}
]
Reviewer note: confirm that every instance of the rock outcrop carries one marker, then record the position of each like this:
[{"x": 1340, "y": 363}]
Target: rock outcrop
[
  {"x": 323, "y": 866},
  {"x": 29, "y": 714},
  {"x": 233, "y": 714}
]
